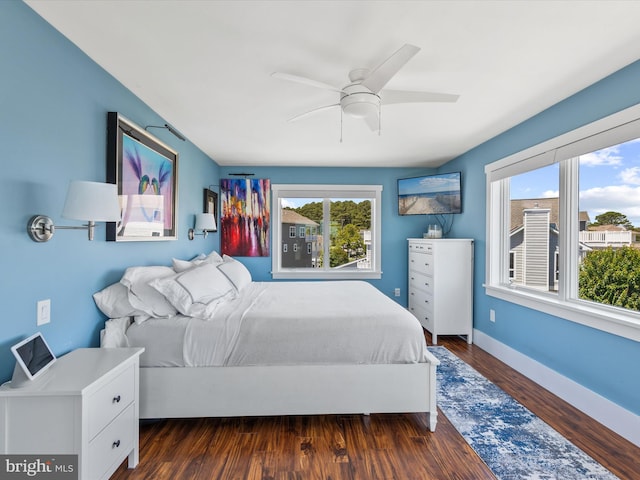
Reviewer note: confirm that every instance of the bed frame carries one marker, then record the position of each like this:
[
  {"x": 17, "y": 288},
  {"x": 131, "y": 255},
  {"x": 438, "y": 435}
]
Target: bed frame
[{"x": 179, "y": 392}]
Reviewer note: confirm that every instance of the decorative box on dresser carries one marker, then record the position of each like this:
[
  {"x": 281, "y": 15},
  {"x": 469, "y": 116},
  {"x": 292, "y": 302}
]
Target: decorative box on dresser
[
  {"x": 441, "y": 285},
  {"x": 86, "y": 404}
]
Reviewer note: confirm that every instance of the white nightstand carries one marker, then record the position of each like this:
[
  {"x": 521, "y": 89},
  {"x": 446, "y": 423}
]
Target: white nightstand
[{"x": 87, "y": 404}]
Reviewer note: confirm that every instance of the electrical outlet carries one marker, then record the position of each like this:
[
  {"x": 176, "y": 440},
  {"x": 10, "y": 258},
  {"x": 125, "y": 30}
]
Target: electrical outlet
[
  {"x": 492, "y": 315},
  {"x": 396, "y": 292},
  {"x": 44, "y": 312}
]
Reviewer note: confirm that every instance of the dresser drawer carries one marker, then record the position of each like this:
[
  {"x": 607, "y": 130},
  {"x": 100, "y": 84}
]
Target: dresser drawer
[
  {"x": 111, "y": 399},
  {"x": 423, "y": 283},
  {"x": 421, "y": 247},
  {"x": 424, "y": 316},
  {"x": 421, "y": 262},
  {"x": 421, "y": 300},
  {"x": 112, "y": 445}
]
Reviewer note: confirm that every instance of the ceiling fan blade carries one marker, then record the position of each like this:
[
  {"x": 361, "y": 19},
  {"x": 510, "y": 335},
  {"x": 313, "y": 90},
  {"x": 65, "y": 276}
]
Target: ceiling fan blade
[
  {"x": 373, "y": 121},
  {"x": 388, "y": 97},
  {"x": 387, "y": 69},
  {"x": 305, "y": 81},
  {"x": 312, "y": 112}
]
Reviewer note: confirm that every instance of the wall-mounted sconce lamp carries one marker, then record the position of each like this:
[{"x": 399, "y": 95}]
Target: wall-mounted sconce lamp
[
  {"x": 204, "y": 223},
  {"x": 86, "y": 201}
]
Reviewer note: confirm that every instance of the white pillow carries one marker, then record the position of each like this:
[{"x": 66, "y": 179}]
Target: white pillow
[
  {"x": 196, "y": 292},
  {"x": 142, "y": 296},
  {"x": 113, "y": 301},
  {"x": 236, "y": 272},
  {"x": 182, "y": 265},
  {"x": 214, "y": 257}
]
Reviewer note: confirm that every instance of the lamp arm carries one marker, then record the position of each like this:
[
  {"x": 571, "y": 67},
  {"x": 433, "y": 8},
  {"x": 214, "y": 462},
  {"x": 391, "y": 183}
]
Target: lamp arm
[{"x": 41, "y": 228}]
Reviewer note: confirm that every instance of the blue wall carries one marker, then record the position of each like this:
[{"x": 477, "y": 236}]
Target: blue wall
[
  {"x": 395, "y": 228},
  {"x": 53, "y": 104},
  {"x": 604, "y": 363},
  {"x": 53, "y": 110}
]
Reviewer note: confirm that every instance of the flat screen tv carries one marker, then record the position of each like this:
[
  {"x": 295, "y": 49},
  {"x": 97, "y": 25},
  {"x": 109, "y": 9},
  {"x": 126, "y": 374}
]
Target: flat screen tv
[{"x": 430, "y": 194}]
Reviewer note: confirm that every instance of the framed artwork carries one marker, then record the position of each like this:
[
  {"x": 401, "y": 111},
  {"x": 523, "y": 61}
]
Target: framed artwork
[
  {"x": 211, "y": 205},
  {"x": 146, "y": 172},
  {"x": 245, "y": 217}
]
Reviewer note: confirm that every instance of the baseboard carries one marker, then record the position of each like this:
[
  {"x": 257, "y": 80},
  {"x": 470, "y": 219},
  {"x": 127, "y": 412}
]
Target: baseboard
[{"x": 611, "y": 415}]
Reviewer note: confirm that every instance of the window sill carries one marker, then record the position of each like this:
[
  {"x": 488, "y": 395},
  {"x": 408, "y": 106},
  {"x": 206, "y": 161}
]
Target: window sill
[
  {"x": 324, "y": 275},
  {"x": 608, "y": 319}
]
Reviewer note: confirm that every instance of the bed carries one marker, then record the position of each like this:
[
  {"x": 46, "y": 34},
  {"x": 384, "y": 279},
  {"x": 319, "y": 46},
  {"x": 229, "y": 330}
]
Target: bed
[{"x": 266, "y": 348}]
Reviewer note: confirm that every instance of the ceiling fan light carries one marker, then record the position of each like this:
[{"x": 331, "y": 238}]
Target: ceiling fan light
[{"x": 360, "y": 105}]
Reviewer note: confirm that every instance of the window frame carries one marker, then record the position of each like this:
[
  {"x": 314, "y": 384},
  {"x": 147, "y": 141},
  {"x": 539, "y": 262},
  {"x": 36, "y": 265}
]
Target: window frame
[
  {"x": 323, "y": 191},
  {"x": 564, "y": 150}
]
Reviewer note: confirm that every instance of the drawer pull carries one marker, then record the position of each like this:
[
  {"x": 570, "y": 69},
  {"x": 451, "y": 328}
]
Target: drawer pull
[
  {"x": 115, "y": 444},
  {"x": 116, "y": 399},
  {"x": 426, "y": 301}
]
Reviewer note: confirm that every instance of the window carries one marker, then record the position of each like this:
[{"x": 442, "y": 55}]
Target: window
[
  {"x": 560, "y": 220},
  {"x": 339, "y": 230}
]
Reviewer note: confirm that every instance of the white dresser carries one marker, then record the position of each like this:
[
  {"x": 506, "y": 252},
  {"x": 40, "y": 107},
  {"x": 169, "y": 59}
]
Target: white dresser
[
  {"x": 441, "y": 285},
  {"x": 86, "y": 404}
]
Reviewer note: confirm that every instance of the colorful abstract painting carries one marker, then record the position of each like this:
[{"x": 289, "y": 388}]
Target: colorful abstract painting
[
  {"x": 245, "y": 217},
  {"x": 147, "y": 182},
  {"x": 146, "y": 173}
]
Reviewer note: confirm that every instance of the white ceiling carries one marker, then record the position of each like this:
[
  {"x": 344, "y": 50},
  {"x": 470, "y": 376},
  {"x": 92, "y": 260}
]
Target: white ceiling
[{"x": 205, "y": 67}]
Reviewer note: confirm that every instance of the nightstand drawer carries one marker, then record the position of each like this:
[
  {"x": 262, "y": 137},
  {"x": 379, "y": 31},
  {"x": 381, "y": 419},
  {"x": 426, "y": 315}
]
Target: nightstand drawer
[
  {"x": 107, "y": 403},
  {"x": 112, "y": 445}
]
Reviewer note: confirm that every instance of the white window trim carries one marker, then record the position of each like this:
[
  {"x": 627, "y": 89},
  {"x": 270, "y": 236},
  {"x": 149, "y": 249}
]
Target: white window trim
[
  {"x": 617, "y": 128},
  {"x": 372, "y": 192}
]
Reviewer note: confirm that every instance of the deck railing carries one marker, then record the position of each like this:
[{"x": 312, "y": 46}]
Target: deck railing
[{"x": 605, "y": 238}]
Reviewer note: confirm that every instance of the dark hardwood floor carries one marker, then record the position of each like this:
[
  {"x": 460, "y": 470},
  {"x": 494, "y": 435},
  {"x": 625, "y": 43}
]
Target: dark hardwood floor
[{"x": 356, "y": 447}]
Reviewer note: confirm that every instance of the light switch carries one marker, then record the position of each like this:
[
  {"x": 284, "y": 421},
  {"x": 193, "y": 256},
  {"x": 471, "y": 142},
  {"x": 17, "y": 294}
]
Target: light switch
[{"x": 44, "y": 312}]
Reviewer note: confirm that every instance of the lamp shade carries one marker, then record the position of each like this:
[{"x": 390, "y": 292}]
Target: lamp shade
[
  {"x": 92, "y": 201},
  {"x": 205, "y": 221}
]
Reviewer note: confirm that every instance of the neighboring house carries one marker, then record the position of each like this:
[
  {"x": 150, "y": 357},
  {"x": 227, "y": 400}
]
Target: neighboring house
[
  {"x": 534, "y": 251},
  {"x": 299, "y": 240}
]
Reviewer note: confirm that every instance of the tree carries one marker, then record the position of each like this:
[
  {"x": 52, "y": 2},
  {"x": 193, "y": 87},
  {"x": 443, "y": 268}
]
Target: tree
[
  {"x": 611, "y": 277},
  {"x": 337, "y": 257},
  {"x": 350, "y": 240},
  {"x": 613, "y": 218}
]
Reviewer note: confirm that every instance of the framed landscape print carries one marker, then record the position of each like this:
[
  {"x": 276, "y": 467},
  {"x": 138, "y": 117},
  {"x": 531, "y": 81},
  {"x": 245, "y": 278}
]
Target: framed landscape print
[{"x": 146, "y": 173}]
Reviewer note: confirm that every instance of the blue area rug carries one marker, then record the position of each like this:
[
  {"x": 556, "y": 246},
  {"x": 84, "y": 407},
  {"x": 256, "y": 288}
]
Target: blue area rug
[{"x": 512, "y": 441}]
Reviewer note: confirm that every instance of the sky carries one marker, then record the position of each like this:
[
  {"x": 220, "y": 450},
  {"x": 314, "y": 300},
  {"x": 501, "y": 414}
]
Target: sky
[
  {"x": 609, "y": 181},
  {"x": 444, "y": 182}
]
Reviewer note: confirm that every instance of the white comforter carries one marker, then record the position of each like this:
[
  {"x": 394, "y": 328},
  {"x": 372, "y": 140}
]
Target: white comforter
[{"x": 286, "y": 323}]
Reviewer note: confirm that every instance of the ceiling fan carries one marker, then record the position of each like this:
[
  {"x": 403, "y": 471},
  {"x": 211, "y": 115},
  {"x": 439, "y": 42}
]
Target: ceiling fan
[{"x": 364, "y": 95}]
